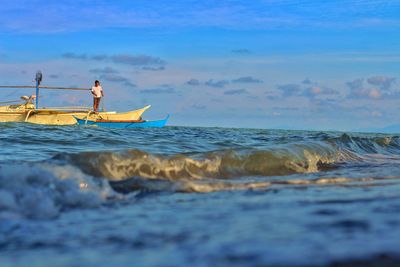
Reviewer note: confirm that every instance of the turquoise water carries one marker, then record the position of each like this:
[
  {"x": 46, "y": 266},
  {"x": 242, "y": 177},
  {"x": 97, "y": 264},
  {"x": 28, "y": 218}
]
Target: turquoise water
[{"x": 180, "y": 196}]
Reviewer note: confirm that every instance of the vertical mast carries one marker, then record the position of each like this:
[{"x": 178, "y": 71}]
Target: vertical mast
[{"x": 38, "y": 79}]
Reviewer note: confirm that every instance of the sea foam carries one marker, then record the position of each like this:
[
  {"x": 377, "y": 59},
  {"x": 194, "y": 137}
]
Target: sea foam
[{"x": 42, "y": 191}]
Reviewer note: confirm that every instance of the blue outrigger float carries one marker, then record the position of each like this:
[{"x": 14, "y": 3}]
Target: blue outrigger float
[{"x": 124, "y": 123}]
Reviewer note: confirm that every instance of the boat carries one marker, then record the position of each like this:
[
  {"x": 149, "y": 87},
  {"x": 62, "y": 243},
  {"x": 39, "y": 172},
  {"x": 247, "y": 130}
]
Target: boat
[
  {"x": 26, "y": 111},
  {"x": 123, "y": 123},
  {"x": 66, "y": 117}
]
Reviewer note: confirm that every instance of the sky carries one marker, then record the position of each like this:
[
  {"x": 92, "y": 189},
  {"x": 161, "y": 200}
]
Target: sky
[{"x": 315, "y": 65}]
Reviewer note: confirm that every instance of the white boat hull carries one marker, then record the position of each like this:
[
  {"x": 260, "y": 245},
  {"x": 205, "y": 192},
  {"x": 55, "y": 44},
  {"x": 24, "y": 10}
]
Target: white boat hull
[{"x": 22, "y": 113}]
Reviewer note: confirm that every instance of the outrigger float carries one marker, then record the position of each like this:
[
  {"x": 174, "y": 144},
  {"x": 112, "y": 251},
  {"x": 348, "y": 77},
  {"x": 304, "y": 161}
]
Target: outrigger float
[{"x": 29, "y": 112}]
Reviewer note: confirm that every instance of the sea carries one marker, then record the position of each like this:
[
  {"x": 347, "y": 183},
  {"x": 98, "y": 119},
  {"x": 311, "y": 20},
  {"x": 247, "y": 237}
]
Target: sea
[{"x": 191, "y": 196}]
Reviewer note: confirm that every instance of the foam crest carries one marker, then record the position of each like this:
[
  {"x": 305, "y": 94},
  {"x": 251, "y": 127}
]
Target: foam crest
[
  {"x": 303, "y": 158},
  {"x": 43, "y": 191}
]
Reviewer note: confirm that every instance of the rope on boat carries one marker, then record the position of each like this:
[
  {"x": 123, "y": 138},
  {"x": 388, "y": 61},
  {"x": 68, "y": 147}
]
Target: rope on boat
[
  {"x": 65, "y": 108},
  {"x": 27, "y": 115},
  {"x": 87, "y": 116}
]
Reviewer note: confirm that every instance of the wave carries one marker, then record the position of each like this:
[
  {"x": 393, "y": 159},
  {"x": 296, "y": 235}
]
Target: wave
[
  {"x": 301, "y": 157},
  {"x": 219, "y": 164},
  {"x": 43, "y": 190},
  {"x": 385, "y": 145}
]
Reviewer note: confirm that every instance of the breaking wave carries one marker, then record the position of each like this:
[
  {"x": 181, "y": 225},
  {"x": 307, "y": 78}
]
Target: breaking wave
[
  {"x": 302, "y": 157},
  {"x": 219, "y": 164},
  {"x": 42, "y": 190}
]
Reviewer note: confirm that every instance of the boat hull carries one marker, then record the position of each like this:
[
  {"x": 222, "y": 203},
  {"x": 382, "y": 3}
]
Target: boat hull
[
  {"x": 14, "y": 113},
  {"x": 59, "y": 117},
  {"x": 12, "y": 117},
  {"x": 124, "y": 124}
]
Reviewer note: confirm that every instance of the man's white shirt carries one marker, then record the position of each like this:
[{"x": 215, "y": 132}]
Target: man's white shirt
[{"x": 97, "y": 90}]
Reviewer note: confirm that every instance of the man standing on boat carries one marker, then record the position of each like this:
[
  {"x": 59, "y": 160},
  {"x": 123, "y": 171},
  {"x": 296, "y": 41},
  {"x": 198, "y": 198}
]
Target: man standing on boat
[{"x": 97, "y": 93}]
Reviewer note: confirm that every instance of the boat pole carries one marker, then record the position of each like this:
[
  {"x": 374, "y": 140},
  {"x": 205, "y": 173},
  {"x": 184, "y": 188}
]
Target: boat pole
[
  {"x": 37, "y": 94},
  {"x": 38, "y": 79}
]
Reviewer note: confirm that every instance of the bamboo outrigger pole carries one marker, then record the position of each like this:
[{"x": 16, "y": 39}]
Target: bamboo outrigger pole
[
  {"x": 43, "y": 87},
  {"x": 38, "y": 80}
]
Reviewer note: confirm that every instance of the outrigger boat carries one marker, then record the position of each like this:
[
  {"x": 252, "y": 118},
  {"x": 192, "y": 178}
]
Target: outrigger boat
[
  {"x": 123, "y": 123},
  {"x": 31, "y": 113},
  {"x": 27, "y": 112}
]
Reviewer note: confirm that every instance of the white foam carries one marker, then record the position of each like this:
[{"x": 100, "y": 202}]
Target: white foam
[{"x": 42, "y": 191}]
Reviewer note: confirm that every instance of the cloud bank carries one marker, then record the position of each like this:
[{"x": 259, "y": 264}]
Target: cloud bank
[{"x": 125, "y": 59}]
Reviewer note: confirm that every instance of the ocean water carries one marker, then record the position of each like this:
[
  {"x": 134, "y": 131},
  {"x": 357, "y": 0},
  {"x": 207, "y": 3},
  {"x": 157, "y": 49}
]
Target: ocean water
[{"x": 179, "y": 196}]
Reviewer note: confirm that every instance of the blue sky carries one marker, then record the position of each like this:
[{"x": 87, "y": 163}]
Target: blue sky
[{"x": 262, "y": 63}]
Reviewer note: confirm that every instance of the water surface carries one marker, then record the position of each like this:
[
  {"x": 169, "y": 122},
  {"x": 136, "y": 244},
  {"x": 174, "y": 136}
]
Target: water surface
[{"x": 79, "y": 196}]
